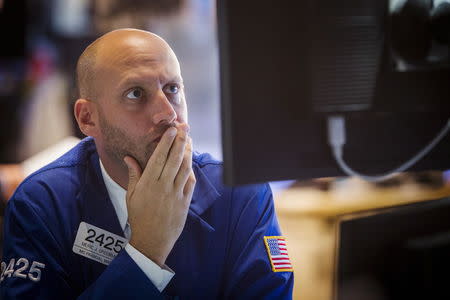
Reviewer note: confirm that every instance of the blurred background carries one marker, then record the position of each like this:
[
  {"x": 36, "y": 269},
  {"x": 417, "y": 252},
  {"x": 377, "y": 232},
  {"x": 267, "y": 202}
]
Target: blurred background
[{"x": 41, "y": 42}]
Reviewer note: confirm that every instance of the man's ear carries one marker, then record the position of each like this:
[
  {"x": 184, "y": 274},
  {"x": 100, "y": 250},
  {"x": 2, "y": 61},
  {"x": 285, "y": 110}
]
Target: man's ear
[{"x": 86, "y": 115}]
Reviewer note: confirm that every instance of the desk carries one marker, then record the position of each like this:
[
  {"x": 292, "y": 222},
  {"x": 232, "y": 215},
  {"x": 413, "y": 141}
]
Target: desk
[{"x": 308, "y": 219}]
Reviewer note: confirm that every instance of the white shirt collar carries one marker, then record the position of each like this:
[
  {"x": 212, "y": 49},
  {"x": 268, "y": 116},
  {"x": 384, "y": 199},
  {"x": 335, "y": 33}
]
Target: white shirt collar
[{"x": 118, "y": 197}]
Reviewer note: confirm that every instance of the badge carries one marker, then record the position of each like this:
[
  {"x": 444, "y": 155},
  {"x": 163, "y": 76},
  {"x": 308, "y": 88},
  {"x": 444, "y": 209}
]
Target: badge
[
  {"x": 97, "y": 244},
  {"x": 278, "y": 255}
]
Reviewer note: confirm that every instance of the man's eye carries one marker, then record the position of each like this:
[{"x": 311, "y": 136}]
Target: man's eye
[
  {"x": 135, "y": 94},
  {"x": 172, "y": 89}
]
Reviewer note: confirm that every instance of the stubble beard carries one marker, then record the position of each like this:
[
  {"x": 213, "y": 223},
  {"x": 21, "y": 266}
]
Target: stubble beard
[{"x": 118, "y": 144}]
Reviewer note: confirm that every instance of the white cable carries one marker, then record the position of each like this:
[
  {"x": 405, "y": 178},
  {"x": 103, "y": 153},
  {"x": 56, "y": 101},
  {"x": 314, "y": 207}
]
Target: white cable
[{"x": 336, "y": 138}]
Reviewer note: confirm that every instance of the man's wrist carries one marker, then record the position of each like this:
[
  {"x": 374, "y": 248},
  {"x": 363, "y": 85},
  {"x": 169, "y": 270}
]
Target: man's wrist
[
  {"x": 160, "y": 260},
  {"x": 160, "y": 276}
]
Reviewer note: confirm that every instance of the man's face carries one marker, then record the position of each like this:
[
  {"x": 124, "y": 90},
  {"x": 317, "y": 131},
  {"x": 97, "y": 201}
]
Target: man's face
[{"x": 139, "y": 95}]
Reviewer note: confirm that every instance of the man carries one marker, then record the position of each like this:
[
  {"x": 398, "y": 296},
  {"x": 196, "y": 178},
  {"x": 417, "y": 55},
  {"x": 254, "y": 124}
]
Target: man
[{"x": 135, "y": 179}]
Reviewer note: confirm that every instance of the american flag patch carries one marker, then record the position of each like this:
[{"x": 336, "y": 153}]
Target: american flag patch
[{"x": 278, "y": 255}]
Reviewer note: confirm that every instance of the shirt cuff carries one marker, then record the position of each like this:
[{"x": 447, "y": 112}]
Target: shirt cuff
[{"x": 160, "y": 277}]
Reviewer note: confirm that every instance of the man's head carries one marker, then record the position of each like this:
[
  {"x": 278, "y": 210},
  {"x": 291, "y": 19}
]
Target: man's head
[{"x": 130, "y": 92}]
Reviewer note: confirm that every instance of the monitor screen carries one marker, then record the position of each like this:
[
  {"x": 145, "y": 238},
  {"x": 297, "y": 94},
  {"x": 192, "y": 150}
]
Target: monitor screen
[
  {"x": 384, "y": 255},
  {"x": 286, "y": 67}
]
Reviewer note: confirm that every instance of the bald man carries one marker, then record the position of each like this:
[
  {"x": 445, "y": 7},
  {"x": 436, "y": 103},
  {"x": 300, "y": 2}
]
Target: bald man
[{"x": 131, "y": 212}]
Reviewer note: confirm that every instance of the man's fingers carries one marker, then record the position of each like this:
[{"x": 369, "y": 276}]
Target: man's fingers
[
  {"x": 176, "y": 154},
  {"x": 189, "y": 187},
  {"x": 134, "y": 173},
  {"x": 157, "y": 160},
  {"x": 186, "y": 166}
]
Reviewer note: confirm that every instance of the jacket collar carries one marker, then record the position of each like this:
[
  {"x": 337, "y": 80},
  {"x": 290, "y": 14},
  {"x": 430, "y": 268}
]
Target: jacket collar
[
  {"x": 205, "y": 193},
  {"x": 98, "y": 209}
]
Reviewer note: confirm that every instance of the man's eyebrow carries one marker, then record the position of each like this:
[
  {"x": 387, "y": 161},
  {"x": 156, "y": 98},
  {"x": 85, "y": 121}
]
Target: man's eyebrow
[
  {"x": 131, "y": 81},
  {"x": 176, "y": 78},
  {"x": 138, "y": 80}
]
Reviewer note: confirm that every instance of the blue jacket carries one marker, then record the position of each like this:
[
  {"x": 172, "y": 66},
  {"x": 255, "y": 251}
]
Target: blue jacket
[{"x": 220, "y": 254}]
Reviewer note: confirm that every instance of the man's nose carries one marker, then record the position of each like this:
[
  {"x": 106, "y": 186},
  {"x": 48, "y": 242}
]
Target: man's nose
[{"x": 163, "y": 111}]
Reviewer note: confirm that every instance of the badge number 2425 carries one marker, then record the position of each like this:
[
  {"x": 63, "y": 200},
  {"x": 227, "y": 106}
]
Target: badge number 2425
[
  {"x": 105, "y": 241},
  {"x": 97, "y": 244}
]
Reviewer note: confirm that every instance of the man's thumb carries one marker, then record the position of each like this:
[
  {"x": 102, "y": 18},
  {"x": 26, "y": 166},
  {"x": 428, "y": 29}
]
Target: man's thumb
[{"x": 134, "y": 172}]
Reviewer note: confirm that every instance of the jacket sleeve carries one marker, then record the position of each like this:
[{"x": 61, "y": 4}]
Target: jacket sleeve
[
  {"x": 35, "y": 263},
  {"x": 251, "y": 275}
]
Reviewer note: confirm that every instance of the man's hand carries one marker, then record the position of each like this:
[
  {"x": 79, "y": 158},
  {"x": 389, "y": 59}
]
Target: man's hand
[{"x": 158, "y": 197}]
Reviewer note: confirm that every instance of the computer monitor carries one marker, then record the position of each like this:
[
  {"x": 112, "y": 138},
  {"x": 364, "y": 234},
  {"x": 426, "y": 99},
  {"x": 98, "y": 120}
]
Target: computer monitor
[
  {"x": 286, "y": 67},
  {"x": 394, "y": 253}
]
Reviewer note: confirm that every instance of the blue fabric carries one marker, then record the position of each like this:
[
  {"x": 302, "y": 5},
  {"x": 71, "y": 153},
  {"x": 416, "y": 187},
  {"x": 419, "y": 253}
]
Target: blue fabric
[{"x": 219, "y": 255}]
